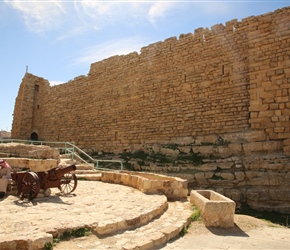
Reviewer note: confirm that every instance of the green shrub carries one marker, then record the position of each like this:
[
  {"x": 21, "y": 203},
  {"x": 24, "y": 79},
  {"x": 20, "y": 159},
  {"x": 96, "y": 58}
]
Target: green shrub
[
  {"x": 48, "y": 246},
  {"x": 195, "y": 215}
]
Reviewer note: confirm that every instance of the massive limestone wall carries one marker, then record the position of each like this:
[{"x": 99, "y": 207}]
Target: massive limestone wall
[
  {"x": 221, "y": 94},
  {"x": 226, "y": 79}
]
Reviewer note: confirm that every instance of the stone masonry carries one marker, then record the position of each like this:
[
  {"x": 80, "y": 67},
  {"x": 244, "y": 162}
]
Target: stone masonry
[{"x": 228, "y": 86}]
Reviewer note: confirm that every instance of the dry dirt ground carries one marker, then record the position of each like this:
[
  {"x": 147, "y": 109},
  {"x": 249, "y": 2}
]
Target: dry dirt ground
[{"x": 243, "y": 224}]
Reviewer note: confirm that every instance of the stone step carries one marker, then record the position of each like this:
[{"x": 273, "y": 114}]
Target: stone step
[
  {"x": 81, "y": 171},
  {"x": 85, "y": 166},
  {"x": 90, "y": 174},
  {"x": 90, "y": 177},
  {"x": 149, "y": 236}
]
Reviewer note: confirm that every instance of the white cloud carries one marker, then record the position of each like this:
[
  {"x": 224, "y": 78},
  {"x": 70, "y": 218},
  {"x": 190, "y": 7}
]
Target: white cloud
[
  {"x": 39, "y": 16},
  {"x": 71, "y": 17},
  {"x": 159, "y": 10},
  {"x": 103, "y": 13},
  {"x": 108, "y": 49},
  {"x": 53, "y": 83}
]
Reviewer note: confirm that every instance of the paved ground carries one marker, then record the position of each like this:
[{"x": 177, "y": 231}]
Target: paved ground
[
  {"x": 102, "y": 206},
  {"x": 107, "y": 207}
]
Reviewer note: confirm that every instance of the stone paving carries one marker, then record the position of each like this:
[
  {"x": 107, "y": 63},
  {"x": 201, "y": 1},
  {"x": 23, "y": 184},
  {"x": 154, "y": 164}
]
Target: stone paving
[
  {"x": 124, "y": 218},
  {"x": 103, "y": 207},
  {"x": 152, "y": 235}
]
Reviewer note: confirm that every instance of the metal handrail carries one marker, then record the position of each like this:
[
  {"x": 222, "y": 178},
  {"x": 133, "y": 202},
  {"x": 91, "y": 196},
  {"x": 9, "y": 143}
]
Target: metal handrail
[
  {"x": 96, "y": 161},
  {"x": 69, "y": 149}
]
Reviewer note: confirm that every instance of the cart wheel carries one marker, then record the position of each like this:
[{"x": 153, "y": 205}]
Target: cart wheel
[
  {"x": 68, "y": 183},
  {"x": 29, "y": 186}
]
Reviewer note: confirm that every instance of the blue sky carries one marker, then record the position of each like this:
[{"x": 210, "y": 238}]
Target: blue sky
[{"x": 58, "y": 40}]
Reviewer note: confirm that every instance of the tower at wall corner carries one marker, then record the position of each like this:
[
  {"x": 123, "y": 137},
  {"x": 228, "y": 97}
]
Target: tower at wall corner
[{"x": 28, "y": 107}]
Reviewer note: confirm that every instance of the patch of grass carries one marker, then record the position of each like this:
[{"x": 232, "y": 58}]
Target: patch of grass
[
  {"x": 74, "y": 233},
  {"x": 126, "y": 156},
  {"x": 48, "y": 246},
  {"x": 139, "y": 155},
  {"x": 195, "y": 215},
  {"x": 194, "y": 158},
  {"x": 160, "y": 158},
  {"x": 183, "y": 232},
  {"x": 171, "y": 146}
]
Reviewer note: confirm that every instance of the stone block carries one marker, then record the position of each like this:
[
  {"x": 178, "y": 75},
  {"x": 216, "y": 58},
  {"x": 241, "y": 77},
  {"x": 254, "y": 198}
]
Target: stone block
[
  {"x": 266, "y": 146},
  {"x": 240, "y": 176},
  {"x": 216, "y": 210},
  {"x": 36, "y": 165},
  {"x": 286, "y": 150},
  {"x": 29, "y": 151}
]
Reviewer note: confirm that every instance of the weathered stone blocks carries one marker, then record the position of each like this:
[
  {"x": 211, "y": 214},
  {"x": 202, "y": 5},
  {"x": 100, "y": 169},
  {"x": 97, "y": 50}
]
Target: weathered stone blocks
[
  {"x": 37, "y": 158},
  {"x": 29, "y": 151},
  {"x": 36, "y": 165},
  {"x": 171, "y": 187}
]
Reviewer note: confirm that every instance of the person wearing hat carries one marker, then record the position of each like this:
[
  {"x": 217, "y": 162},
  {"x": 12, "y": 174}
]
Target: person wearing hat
[{"x": 5, "y": 175}]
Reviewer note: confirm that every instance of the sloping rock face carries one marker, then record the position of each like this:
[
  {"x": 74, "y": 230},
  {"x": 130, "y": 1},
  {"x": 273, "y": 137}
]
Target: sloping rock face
[{"x": 242, "y": 166}]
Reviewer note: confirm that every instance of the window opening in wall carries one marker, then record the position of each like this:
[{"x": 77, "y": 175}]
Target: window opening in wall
[
  {"x": 223, "y": 69},
  {"x": 36, "y": 88},
  {"x": 116, "y": 135},
  {"x": 37, "y": 106},
  {"x": 184, "y": 77}
]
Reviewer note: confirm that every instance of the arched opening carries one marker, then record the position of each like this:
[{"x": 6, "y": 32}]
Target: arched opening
[{"x": 34, "y": 136}]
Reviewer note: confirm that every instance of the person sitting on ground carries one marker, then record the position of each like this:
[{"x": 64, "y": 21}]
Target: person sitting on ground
[{"x": 5, "y": 175}]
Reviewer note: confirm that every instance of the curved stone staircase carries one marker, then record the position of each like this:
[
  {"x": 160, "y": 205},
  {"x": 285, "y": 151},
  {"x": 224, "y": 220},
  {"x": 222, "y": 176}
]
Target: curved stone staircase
[
  {"x": 151, "y": 229},
  {"x": 152, "y": 235}
]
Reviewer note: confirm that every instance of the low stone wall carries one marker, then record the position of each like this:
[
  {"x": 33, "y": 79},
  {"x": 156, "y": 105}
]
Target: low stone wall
[
  {"x": 29, "y": 151},
  {"x": 36, "y": 165},
  {"x": 171, "y": 187},
  {"x": 216, "y": 210},
  {"x": 37, "y": 158}
]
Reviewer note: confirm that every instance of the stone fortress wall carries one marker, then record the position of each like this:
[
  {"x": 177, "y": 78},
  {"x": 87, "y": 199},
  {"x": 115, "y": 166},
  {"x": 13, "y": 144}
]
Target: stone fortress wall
[{"x": 227, "y": 86}]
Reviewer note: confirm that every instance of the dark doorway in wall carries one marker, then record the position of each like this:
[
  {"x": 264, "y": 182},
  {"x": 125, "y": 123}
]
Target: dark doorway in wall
[{"x": 34, "y": 136}]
